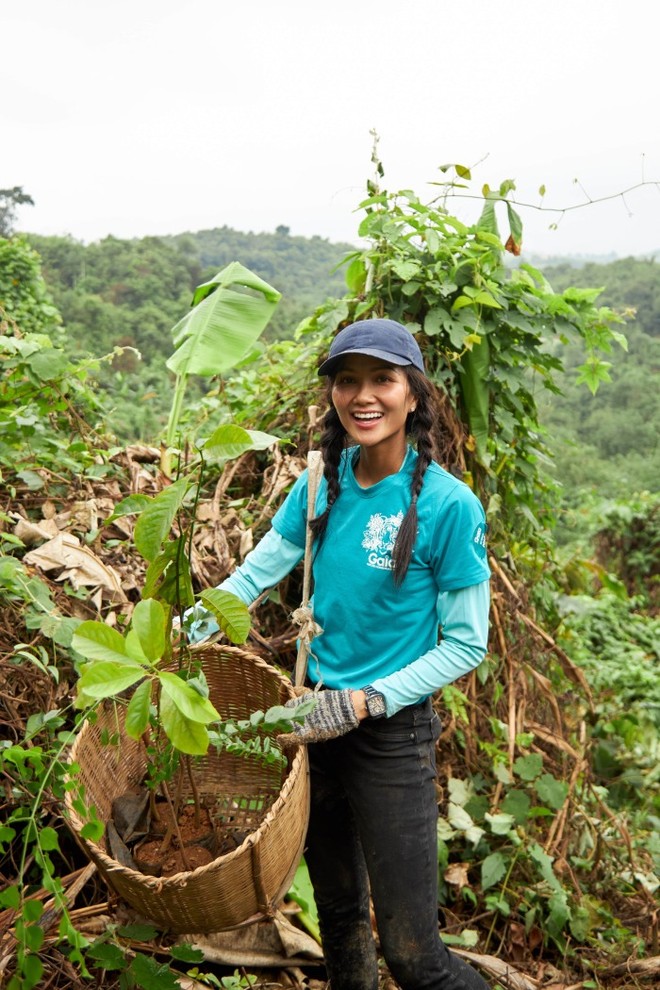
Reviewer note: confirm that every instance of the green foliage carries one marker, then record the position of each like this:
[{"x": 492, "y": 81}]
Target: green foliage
[
  {"x": 609, "y": 444},
  {"x": 128, "y": 294},
  {"x": 46, "y": 398},
  {"x": 491, "y": 338},
  {"x": 619, "y": 648},
  {"x": 38, "y": 610}
]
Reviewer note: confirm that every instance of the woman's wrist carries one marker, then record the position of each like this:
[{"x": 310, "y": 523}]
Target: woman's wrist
[{"x": 359, "y": 700}]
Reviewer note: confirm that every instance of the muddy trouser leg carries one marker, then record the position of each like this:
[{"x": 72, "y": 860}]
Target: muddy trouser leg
[
  {"x": 339, "y": 876},
  {"x": 387, "y": 769}
]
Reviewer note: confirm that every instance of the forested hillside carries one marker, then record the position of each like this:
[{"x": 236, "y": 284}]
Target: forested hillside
[
  {"x": 610, "y": 442},
  {"x": 129, "y": 294}
]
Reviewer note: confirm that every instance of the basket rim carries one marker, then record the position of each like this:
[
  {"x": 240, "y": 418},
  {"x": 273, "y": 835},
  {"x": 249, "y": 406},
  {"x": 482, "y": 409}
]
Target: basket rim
[{"x": 298, "y": 765}]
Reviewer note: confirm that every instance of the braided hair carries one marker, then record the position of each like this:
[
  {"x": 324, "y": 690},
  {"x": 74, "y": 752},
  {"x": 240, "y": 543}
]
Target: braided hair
[{"x": 419, "y": 426}]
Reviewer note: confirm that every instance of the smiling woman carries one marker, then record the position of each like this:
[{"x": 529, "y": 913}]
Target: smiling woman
[{"x": 395, "y": 557}]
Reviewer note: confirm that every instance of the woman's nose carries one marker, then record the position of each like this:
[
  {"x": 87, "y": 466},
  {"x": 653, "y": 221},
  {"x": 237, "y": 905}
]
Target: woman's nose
[{"x": 364, "y": 392}]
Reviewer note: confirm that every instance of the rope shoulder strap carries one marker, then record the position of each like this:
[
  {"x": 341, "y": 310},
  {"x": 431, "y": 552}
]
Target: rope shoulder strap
[{"x": 302, "y": 616}]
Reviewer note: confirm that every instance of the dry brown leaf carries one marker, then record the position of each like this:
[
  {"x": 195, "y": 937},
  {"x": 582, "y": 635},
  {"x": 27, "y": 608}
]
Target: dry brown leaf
[
  {"x": 457, "y": 874},
  {"x": 32, "y": 533},
  {"x": 76, "y": 563}
]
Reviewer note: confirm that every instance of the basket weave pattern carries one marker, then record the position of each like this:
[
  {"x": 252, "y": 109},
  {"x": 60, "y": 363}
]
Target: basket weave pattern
[{"x": 244, "y": 795}]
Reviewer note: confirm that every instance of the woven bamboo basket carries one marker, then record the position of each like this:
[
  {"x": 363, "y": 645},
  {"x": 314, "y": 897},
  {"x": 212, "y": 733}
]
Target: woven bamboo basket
[{"x": 270, "y": 804}]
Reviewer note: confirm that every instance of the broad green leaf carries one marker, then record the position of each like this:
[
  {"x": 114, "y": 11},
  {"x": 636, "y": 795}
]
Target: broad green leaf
[
  {"x": 186, "y": 953},
  {"x": 227, "y": 442},
  {"x": 435, "y": 320},
  {"x": 107, "y": 678},
  {"x": 155, "y": 522},
  {"x": 405, "y": 269},
  {"x": 302, "y": 893},
  {"x": 148, "y": 622},
  {"x": 461, "y": 302},
  {"x": 485, "y": 298},
  {"x": 356, "y": 275},
  {"x": 134, "y": 647},
  {"x": 185, "y": 735},
  {"x": 129, "y": 506},
  {"x": 168, "y": 575},
  {"x": 10, "y": 897},
  {"x": 189, "y": 702},
  {"x": 33, "y": 480},
  {"x": 231, "y": 613},
  {"x": 48, "y": 838},
  {"x": 517, "y": 804},
  {"x": 544, "y": 863},
  {"x": 97, "y": 641},
  {"x": 138, "y": 932},
  {"x": 106, "y": 956},
  {"x": 48, "y": 364},
  {"x": 488, "y": 220},
  {"x": 150, "y": 975},
  {"x": 528, "y": 767},
  {"x": 559, "y": 912},
  {"x": 493, "y": 869},
  {"x": 476, "y": 394},
  {"x": 551, "y": 791},
  {"x": 593, "y": 372},
  {"x": 261, "y": 440},
  {"x": 231, "y": 441},
  {"x": 224, "y": 322},
  {"x": 137, "y": 713},
  {"x": 500, "y": 824}
]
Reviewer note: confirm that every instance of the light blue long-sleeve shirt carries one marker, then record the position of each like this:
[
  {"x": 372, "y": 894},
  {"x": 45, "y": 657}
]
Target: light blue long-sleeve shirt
[{"x": 462, "y": 617}]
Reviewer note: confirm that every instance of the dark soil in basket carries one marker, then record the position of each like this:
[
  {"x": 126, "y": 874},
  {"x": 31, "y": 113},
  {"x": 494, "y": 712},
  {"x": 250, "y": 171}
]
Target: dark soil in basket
[{"x": 149, "y": 843}]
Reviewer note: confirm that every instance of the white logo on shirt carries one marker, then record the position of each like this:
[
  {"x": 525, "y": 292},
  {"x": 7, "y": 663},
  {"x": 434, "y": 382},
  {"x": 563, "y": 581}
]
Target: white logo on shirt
[{"x": 379, "y": 539}]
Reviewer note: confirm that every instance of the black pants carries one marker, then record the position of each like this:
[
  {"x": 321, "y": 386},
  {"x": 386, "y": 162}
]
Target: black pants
[{"x": 373, "y": 827}]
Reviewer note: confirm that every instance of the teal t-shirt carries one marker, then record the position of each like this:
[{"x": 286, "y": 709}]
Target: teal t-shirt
[{"x": 371, "y": 628}]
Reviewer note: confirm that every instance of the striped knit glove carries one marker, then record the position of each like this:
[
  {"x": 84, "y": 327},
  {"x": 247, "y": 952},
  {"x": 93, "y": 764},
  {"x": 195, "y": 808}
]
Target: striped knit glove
[{"x": 332, "y": 716}]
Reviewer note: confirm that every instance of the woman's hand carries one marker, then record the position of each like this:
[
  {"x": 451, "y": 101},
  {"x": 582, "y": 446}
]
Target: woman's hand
[{"x": 335, "y": 714}]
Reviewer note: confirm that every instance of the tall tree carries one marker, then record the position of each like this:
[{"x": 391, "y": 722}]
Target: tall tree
[{"x": 9, "y": 200}]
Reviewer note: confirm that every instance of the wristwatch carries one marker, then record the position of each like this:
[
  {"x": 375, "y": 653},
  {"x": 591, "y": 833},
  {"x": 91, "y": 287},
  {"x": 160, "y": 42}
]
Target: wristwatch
[{"x": 375, "y": 702}]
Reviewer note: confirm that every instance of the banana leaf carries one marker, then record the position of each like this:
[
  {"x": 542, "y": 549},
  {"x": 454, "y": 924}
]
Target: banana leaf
[
  {"x": 476, "y": 394},
  {"x": 228, "y": 315}
]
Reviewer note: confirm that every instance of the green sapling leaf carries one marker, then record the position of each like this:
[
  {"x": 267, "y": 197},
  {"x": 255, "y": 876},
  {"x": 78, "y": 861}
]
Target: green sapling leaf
[
  {"x": 185, "y": 734},
  {"x": 231, "y": 613},
  {"x": 108, "y": 678},
  {"x": 137, "y": 713},
  {"x": 155, "y": 522},
  {"x": 189, "y": 702},
  {"x": 148, "y": 623},
  {"x": 97, "y": 641}
]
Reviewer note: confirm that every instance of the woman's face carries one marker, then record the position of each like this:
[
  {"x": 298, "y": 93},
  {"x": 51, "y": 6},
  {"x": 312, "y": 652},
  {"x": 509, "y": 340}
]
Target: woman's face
[{"x": 373, "y": 400}]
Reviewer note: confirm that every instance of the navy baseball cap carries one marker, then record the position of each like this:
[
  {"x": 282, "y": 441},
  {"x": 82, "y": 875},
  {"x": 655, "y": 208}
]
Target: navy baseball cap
[{"x": 380, "y": 338}]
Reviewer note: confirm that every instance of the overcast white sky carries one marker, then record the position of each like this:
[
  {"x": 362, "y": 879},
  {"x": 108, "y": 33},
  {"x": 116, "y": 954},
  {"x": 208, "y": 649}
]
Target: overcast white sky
[{"x": 157, "y": 116}]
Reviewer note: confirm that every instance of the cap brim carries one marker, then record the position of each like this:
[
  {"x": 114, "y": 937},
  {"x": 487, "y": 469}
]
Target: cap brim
[{"x": 330, "y": 366}]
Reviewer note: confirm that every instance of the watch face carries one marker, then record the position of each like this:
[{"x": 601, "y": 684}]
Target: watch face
[{"x": 375, "y": 704}]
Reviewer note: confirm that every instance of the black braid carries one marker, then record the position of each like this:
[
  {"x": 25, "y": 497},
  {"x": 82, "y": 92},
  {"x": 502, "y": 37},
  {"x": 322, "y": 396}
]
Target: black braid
[{"x": 420, "y": 427}]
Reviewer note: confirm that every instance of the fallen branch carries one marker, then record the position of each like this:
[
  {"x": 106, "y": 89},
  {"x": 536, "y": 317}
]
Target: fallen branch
[
  {"x": 643, "y": 968},
  {"x": 510, "y": 978}
]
